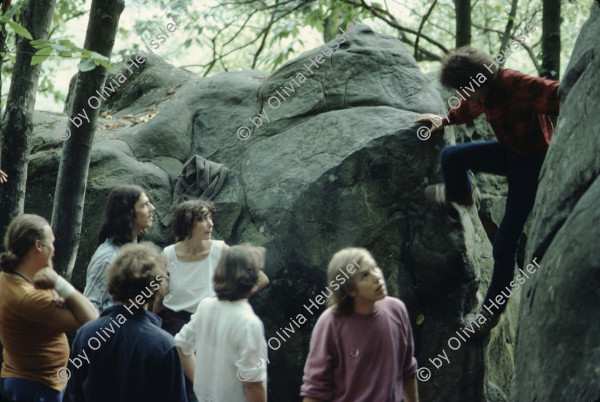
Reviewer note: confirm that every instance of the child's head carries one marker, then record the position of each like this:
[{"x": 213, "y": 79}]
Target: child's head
[
  {"x": 188, "y": 213},
  {"x": 237, "y": 272},
  {"x": 365, "y": 284},
  {"x": 462, "y": 66}
]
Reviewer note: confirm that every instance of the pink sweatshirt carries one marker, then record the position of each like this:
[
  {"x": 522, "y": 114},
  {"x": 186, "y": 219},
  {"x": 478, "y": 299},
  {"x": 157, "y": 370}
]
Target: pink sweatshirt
[{"x": 360, "y": 358}]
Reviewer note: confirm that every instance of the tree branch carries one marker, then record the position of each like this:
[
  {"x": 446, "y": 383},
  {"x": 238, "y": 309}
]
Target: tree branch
[
  {"x": 381, "y": 14},
  {"x": 528, "y": 49},
  {"x": 423, "y": 20},
  {"x": 509, "y": 26},
  {"x": 265, "y": 33},
  {"x": 77, "y": 15},
  {"x": 238, "y": 32}
]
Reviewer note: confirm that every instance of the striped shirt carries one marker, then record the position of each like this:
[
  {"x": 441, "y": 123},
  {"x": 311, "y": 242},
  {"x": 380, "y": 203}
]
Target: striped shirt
[{"x": 96, "y": 281}]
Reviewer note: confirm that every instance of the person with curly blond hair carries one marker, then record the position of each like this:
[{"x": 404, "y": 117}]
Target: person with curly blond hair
[{"x": 124, "y": 355}]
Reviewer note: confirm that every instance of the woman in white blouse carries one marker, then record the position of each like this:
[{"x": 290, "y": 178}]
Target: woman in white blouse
[{"x": 191, "y": 264}]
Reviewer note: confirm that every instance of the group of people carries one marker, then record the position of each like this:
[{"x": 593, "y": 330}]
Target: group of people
[{"x": 202, "y": 332}]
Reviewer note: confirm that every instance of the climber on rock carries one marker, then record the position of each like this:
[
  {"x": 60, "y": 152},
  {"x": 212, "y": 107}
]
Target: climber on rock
[{"x": 516, "y": 107}]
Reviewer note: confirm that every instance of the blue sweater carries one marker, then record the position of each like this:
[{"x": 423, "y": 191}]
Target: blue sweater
[{"x": 124, "y": 356}]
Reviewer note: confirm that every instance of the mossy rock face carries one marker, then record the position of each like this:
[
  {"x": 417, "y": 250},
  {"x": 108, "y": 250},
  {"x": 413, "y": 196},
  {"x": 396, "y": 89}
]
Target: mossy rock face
[
  {"x": 557, "y": 354},
  {"x": 337, "y": 164}
]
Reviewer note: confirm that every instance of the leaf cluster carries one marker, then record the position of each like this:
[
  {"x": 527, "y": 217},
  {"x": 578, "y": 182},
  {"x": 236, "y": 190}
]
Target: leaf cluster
[{"x": 67, "y": 49}]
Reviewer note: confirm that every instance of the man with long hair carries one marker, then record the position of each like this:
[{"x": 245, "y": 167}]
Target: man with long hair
[
  {"x": 127, "y": 215},
  {"x": 37, "y": 306}
]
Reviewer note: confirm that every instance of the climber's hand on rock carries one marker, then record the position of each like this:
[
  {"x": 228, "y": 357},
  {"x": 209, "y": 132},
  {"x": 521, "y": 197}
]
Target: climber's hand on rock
[{"x": 437, "y": 122}]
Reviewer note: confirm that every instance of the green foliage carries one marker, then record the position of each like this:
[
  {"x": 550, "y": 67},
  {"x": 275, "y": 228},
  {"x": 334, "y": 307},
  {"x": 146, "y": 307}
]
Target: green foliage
[
  {"x": 7, "y": 19},
  {"x": 58, "y": 49},
  {"x": 16, "y": 27},
  {"x": 66, "y": 48},
  {"x": 263, "y": 34},
  {"x": 233, "y": 30}
]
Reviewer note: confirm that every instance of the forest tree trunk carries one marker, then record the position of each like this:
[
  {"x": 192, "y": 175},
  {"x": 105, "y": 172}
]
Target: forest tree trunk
[
  {"x": 463, "y": 22},
  {"x": 69, "y": 195},
  {"x": 509, "y": 28},
  {"x": 329, "y": 29},
  {"x": 17, "y": 126},
  {"x": 551, "y": 39},
  {"x": 5, "y": 4}
]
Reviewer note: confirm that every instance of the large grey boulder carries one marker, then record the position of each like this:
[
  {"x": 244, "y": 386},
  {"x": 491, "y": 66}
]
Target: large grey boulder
[
  {"x": 336, "y": 164},
  {"x": 557, "y": 355}
]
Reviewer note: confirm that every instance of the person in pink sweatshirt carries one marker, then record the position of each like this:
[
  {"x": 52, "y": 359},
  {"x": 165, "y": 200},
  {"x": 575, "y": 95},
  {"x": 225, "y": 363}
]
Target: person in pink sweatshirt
[{"x": 361, "y": 348}]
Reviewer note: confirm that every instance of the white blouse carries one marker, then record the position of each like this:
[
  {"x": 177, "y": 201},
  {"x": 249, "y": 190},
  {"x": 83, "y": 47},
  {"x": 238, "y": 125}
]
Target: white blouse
[
  {"x": 229, "y": 341},
  {"x": 190, "y": 282}
]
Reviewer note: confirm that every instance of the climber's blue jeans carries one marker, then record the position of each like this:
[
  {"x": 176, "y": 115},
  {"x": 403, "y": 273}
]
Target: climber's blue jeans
[{"x": 522, "y": 172}]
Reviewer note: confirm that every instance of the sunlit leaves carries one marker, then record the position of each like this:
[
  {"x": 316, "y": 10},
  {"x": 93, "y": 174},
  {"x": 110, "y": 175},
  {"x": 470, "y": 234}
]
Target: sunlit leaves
[
  {"x": 19, "y": 30},
  {"x": 41, "y": 55},
  {"x": 14, "y": 25},
  {"x": 86, "y": 65},
  {"x": 66, "y": 48}
]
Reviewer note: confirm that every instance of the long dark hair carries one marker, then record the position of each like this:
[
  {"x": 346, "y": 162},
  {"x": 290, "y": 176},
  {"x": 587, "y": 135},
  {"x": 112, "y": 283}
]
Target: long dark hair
[
  {"x": 21, "y": 236},
  {"x": 119, "y": 214}
]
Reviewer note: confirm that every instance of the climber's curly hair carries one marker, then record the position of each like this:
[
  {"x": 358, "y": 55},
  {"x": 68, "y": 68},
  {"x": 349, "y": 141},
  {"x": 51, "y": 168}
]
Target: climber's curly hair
[
  {"x": 464, "y": 64},
  {"x": 139, "y": 267},
  {"x": 186, "y": 215}
]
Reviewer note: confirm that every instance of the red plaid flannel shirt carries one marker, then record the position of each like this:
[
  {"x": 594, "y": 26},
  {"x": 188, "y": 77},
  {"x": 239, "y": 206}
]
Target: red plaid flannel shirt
[{"x": 517, "y": 108}]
